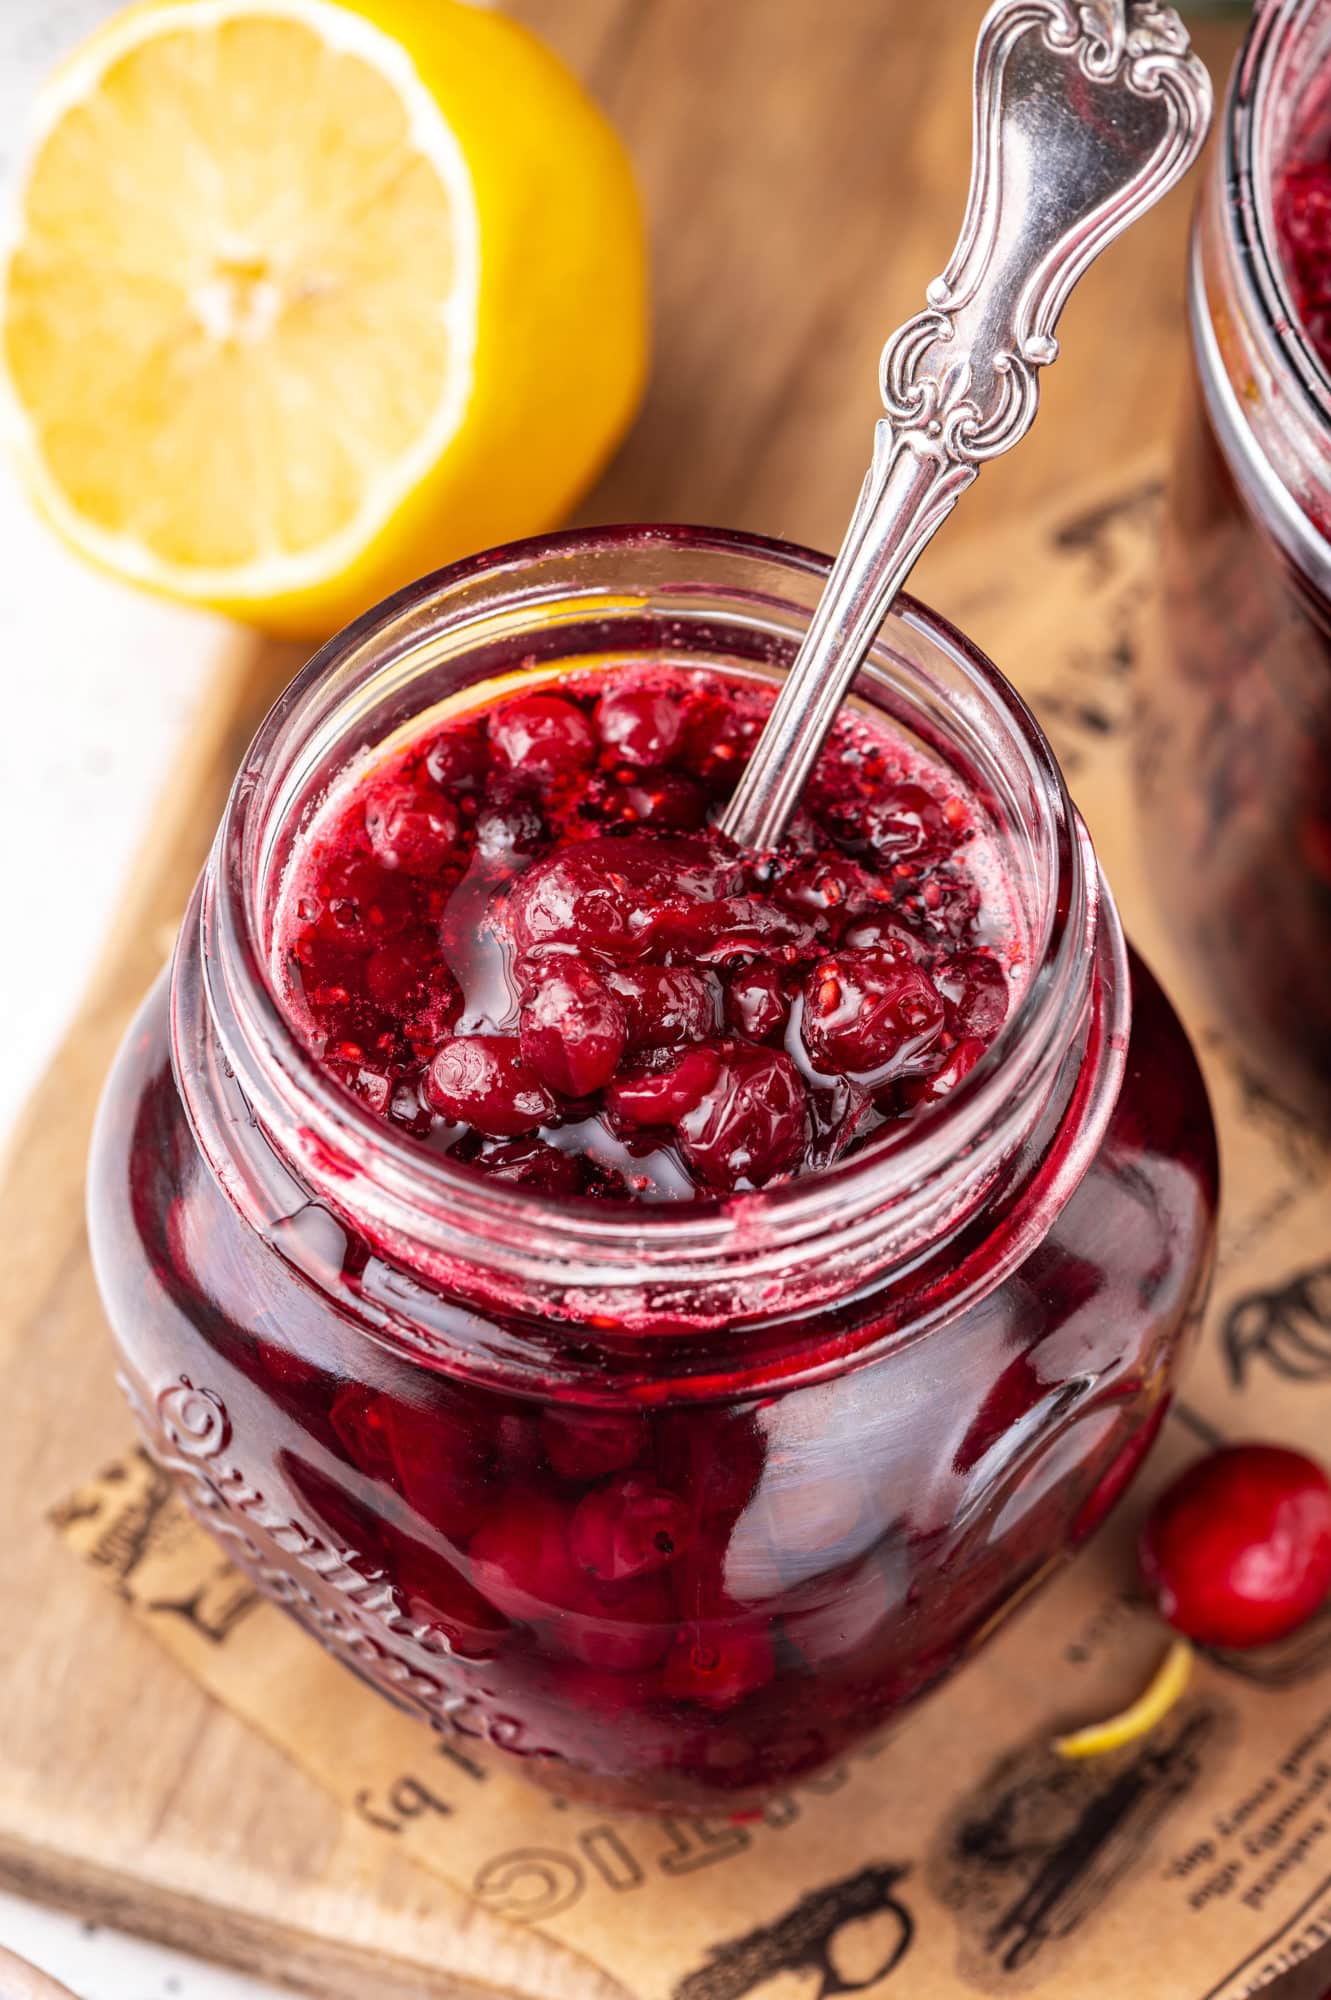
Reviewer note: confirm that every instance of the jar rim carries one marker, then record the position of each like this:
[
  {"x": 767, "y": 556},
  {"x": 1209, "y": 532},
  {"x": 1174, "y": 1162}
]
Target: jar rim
[
  {"x": 633, "y": 1241},
  {"x": 1249, "y": 179}
]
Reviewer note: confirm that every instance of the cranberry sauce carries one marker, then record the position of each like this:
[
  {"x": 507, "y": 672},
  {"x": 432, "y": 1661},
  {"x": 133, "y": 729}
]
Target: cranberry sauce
[
  {"x": 522, "y": 941},
  {"x": 640, "y": 1373}
]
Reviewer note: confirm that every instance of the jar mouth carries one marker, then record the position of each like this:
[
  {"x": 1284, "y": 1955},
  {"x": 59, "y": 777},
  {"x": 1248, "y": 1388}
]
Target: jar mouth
[{"x": 412, "y": 1194}]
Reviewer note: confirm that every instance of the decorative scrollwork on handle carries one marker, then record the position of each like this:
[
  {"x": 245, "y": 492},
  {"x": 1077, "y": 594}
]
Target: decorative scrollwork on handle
[{"x": 960, "y": 381}]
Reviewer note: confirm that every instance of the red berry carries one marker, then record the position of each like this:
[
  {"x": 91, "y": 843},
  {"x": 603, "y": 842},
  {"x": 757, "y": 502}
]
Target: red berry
[
  {"x": 1238, "y": 1549},
  {"x": 408, "y": 977},
  {"x": 542, "y": 738},
  {"x": 757, "y": 1004},
  {"x": 665, "y": 802},
  {"x": 718, "y": 1664},
  {"x": 521, "y": 1561},
  {"x": 441, "y": 1455},
  {"x": 573, "y": 1028},
  {"x": 482, "y": 1081},
  {"x": 750, "y": 1124},
  {"x": 509, "y": 830},
  {"x": 868, "y": 1013},
  {"x": 627, "y": 1528},
  {"x": 664, "y": 1096},
  {"x": 974, "y": 986},
  {"x": 415, "y": 831},
  {"x": 639, "y": 727},
  {"x": 458, "y": 760},
  {"x": 666, "y": 1005},
  {"x": 357, "y": 1417},
  {"x": 611, "y": 896},
  {"x": 587, "y": 1444}
]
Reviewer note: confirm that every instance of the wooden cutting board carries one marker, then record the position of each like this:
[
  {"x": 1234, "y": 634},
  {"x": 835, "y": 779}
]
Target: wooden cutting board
[{"x": 804, "y": 168}]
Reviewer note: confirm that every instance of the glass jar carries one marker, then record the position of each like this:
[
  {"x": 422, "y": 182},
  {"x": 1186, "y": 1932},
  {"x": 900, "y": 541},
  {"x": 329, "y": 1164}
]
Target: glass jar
[
  {"x": 1235, "y": 742},
  {"x": 867, "y": 1410}
]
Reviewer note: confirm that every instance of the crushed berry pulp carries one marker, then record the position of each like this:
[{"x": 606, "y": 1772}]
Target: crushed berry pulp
[{"x": 522, "y": 940}]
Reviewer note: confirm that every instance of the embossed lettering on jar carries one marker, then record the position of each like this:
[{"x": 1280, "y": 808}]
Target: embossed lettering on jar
[{"x": 673, "y": 1442}]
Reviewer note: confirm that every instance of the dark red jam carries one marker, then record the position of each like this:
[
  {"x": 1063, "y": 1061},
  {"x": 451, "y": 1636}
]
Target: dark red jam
[{"x": 522, "y": 940}]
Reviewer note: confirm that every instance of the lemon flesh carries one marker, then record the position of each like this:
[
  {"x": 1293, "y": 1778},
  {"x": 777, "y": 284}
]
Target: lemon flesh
[{"x": 293, "y": 290}]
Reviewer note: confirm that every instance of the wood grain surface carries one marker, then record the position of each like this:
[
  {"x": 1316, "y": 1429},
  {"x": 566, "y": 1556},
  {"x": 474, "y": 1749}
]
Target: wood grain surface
[{"x": 804, "y": 168}]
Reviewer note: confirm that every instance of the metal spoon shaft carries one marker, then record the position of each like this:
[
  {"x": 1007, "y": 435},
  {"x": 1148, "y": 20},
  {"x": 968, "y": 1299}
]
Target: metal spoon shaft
[{"x": 1085, "y": 114}]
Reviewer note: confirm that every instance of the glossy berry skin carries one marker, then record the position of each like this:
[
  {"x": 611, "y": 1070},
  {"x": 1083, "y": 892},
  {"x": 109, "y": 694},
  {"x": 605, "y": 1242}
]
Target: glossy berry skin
[
  {"x": 1237, "y": 1551},
  {"x": 869, "y": 1012},
  {"x": 573, "y": 1028},
  {"x": 416, "y": 831},
  {"x": 484, "y": 1082},
  {"x": 640, "y": 727},
  {"x": 542, "y": 738}
]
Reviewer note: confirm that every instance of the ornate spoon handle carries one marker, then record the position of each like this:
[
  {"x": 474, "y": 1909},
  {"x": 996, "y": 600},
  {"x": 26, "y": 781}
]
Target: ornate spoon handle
[{"x": 1084, "y": 116}]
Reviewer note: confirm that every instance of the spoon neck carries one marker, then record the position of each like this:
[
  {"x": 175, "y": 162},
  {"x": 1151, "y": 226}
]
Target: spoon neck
[{"x": 910, "y": 489}]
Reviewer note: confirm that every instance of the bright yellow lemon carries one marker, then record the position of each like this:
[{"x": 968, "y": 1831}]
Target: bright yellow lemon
[{"x": 308, "y": 297}]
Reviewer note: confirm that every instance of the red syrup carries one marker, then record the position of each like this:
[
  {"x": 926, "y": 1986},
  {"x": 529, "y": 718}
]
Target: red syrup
[{"x": 522, "y": 940}]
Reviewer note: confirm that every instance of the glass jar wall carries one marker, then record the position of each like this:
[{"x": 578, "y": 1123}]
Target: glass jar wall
[
  {"x": 1235, "y": 738},
  {"x": 674, "y": 1503}
]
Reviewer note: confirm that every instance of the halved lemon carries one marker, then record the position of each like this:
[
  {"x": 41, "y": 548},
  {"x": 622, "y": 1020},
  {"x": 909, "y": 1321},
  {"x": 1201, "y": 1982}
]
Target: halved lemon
[{"x": 308, "y": 297}]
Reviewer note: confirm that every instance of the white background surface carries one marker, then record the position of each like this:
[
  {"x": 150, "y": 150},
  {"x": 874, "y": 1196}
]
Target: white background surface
[{"x": 98, "y": 686}]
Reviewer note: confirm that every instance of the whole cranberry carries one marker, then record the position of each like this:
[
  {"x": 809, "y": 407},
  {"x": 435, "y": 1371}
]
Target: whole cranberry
[
  {"x": 867, "y": 1013},
  {"x": 612, "y": 896},
  {"x": 750, "y": 1123},
  {"x": 543, "y": 738},
  {"x": 666, "y": 1005},
  {"x": 458, "y": 760},
  {"x": 666, "y": 802},
  {"x": 720, "y": 733},
  {"x": 521, "y": 1561},
  {"x": 757, "y": 1004},
  {"x": 639, "y": 726},
  {"x": 508, "y": 830},
  {"x": 572, "y": 1028},
  {"x": 628, "y": 1527},
  {"x": 416, "y": 831},
  {"x": 1238, "y": 1549},
  {"x": 904, "y": 823},
  {"x": 482, "y": 1081},
  {"x": 830, "y": 885},
  {"x": 663, "y": 1096},
  {"x": 522, "y": 1564},
  {"x": 730, "y": 927}
]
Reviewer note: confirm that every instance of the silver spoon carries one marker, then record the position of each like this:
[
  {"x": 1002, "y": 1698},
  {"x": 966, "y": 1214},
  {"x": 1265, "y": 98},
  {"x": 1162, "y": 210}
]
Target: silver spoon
[{"x": 1085, "y": 114}]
